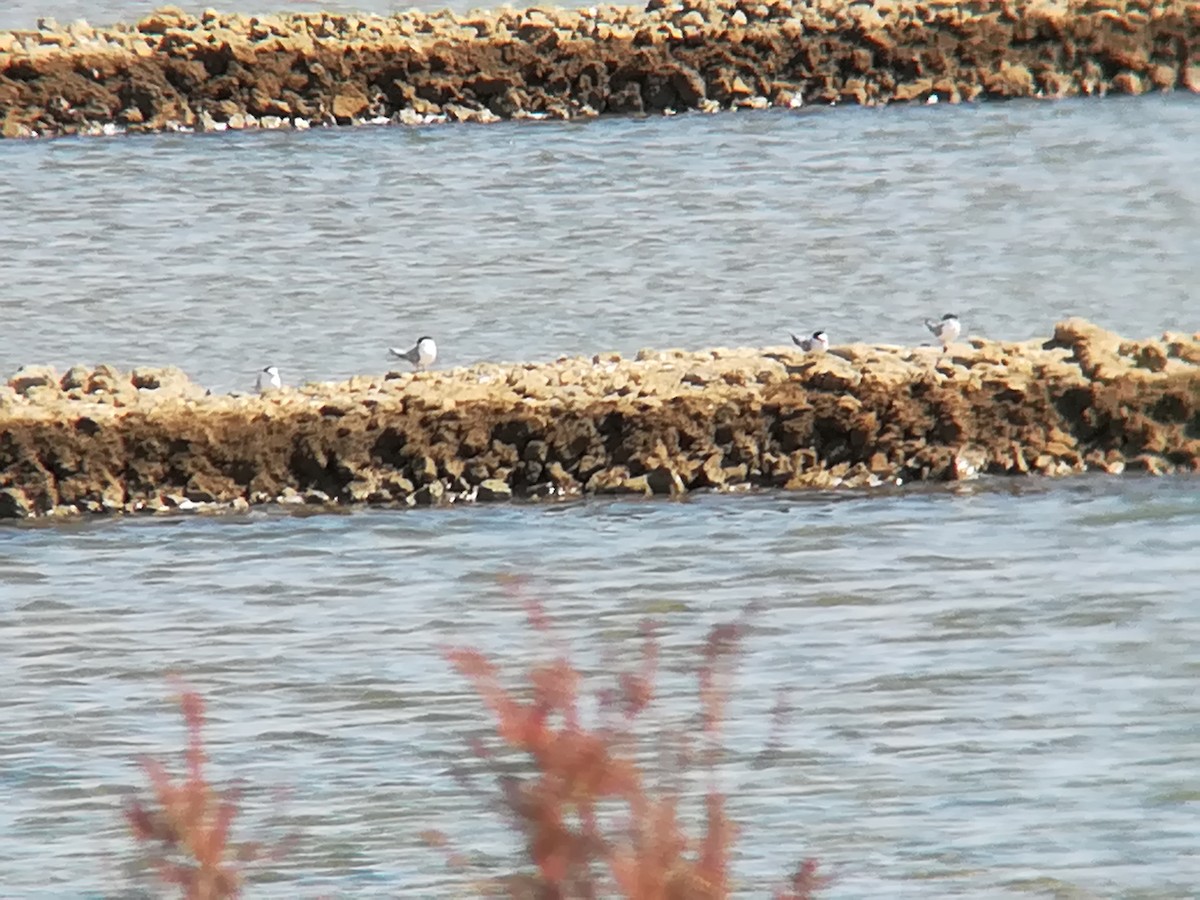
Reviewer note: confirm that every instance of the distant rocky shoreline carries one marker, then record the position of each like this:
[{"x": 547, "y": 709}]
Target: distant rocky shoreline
[
  {"x": 668, "y": 422},
  {"x": 212, "y": 72}
]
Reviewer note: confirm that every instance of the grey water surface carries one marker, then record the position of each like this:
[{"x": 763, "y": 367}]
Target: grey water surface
[
  {"x": 991, "y": 690},
  {"x": 24, "y": 14},
  {"x": 315, "y": 251},
  {"x": 992, "y": 687}
]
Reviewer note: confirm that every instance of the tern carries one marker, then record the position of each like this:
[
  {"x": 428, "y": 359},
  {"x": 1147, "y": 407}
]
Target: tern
[
  {"x": 421, "y": 356},
  {"x": 947, "y": 329},
  {"x": 268, "y": 379},
  {"x": 818, "y": 341}
]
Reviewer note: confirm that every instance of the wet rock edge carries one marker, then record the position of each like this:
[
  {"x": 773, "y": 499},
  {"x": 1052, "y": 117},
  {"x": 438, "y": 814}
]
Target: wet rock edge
[{"x": 172, "y": 71}]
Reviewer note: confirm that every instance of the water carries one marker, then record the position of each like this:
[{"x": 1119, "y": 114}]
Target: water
[
  {"x": 990, "y": 687},
  {"x": 315, "y": 251},
  {"x": 994, "y": 687},
  {"x": 24, "y": 14}
]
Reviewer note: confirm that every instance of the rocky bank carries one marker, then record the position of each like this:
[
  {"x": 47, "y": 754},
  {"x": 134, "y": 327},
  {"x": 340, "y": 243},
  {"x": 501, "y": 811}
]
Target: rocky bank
[
  {"x": 667, "y": 422},
  {"x": 174, "y": 71}
]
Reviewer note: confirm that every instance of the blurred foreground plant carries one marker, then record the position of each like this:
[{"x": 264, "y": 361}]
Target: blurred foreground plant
[
  {"x": 190, "y": 821},
  {"x": 593, "y": 823}
]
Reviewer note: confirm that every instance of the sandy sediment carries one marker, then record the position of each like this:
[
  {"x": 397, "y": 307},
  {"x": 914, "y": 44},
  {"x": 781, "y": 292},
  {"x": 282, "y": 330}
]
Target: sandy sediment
[
  {"x": 667, "y": 422},
  {"x": 214, "y": 71}
]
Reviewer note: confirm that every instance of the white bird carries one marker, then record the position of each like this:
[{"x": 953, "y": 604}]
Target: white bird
[
  {"x": 947, "y": 329},
  {"x": 422, "y": 356},
  {"x": 268, "y": 378},
  {"x": 818, "y": 341}
]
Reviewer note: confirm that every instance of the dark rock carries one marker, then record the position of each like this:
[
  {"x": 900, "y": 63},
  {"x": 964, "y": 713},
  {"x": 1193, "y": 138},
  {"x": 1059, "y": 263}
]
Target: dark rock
[
  {"x": 165, "y": 381},
  {"x": 535, "y": 451},
  {"x": 29, "y": 377},
  {"x": 493, "y": 489},
  {"x": 429, "y": 494},
  {"x": 689, "y": 85},
  {"x": 664, "y": 480},
  {"x": 423, "y": 470},
  {"x": 617, "y": 481},
  {"x": 628, "y": 99},
  {"x": 87, "y": 426},
  {"x": 1149, "y": 463},
  {"x": 107, "y": 379},
  {"x": 1152, "y": 357},
  {"x": 75, "y": 378},
  {"x": 14, "y": 504}
]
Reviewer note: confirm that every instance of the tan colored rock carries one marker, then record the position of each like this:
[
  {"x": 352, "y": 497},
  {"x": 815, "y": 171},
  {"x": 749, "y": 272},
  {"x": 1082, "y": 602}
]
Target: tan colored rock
[
  {"x": 108, "y": 380},
  {"x": 163, "y": 19},
  {"x": 829, "y": 372},
  {"x": 165, "y": 380},
  {"x": 30, "y": 377},
  {"x": 493, "y": 489},
  {"x": 723, "y": 419},
  {"x": 350, "y": 103},
  {"x": 1129, "y": 83},
  {"x": 512, "y": 63}
]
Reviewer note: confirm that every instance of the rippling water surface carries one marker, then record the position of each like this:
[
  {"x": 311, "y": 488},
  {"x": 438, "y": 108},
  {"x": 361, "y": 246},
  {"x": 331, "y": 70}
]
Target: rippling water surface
[
  {"x": 315, "y": 251},
  {"x": 994, "y": 688},
  {"x": 25, "y": 13}
]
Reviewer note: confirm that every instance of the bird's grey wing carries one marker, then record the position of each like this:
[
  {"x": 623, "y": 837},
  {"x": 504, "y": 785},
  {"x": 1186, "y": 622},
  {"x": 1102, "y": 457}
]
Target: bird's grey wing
[{"x": 797, "y": 341}]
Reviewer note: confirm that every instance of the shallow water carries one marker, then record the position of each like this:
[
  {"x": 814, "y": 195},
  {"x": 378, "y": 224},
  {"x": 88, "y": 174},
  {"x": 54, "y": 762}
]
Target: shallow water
[
  {"x": 990, "y": 687},
  {"x": 316, "y": 251},
  {"x": 993, "y": 687}
]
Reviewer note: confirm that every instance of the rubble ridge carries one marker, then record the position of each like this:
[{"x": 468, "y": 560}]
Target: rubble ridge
[
  {"x": 211, "y": 72},
  {"x": 667, "y": 422}
]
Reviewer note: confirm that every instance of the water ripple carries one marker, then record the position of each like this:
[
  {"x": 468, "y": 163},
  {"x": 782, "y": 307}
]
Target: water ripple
[
  {"x": 316, "y": 250},
  {"x": 982, "y": 697}
]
